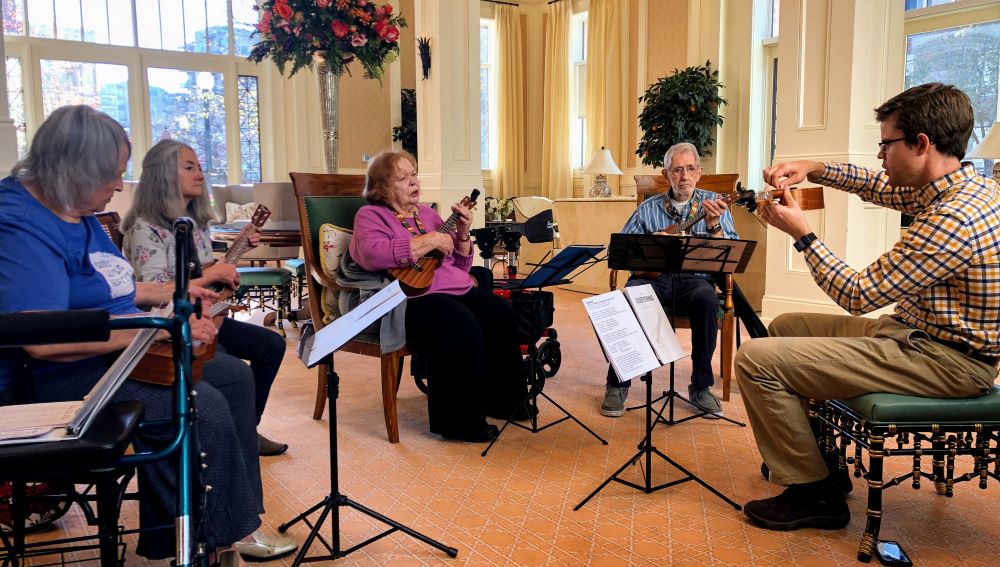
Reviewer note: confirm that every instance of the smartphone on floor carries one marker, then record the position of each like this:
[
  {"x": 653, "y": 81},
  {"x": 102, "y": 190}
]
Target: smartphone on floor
[{"x": 890, "y": 553}]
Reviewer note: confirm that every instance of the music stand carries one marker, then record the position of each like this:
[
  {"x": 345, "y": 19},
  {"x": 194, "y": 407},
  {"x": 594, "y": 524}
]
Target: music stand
[
  {"x": 553, "y": 272},
  {"x": 319, "y": 349},
  {"x": 648, "y": 252},
  {"x": 675, "y": 255}
]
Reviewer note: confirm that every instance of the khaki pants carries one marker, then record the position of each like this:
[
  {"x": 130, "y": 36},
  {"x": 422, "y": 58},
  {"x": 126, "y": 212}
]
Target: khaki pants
[{"x": 825, "y": 357}]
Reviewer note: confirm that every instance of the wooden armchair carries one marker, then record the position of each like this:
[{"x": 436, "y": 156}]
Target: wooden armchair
[
  {"x": 649, "y": 185},
  {"x": 331, "y": 198}
]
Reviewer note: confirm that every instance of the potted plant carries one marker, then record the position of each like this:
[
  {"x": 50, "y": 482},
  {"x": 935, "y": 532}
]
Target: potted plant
[
  {"x": 681, "y": 107},
  {"x": 406, "y": 132}
]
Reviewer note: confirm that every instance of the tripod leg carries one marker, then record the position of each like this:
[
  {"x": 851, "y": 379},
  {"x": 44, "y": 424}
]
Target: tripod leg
[
  {"x": 607, "y": 481},
  {"x": 450, "y": 551},
  {"x": 573, "y": 417}
]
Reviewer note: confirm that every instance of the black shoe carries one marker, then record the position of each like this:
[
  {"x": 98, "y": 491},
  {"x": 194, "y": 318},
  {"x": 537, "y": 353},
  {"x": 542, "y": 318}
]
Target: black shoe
[
  {"x": 268, "y": 448},
  {"x": 478, "y": 435},
  {"x": 814, "y": 505}
]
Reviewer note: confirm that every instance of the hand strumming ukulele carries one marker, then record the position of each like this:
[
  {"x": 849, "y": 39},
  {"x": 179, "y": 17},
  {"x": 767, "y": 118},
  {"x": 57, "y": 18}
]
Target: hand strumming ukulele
[{"x": 417, "y": 277}]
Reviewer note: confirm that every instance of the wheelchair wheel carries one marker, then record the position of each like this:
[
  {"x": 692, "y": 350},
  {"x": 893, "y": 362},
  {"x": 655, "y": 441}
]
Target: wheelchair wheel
[{"x": 550, "y": 357}]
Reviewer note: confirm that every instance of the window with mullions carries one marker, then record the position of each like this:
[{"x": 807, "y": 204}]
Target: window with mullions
[
  {"x": 578, "y": 88},
  {"x": 15, "y": 101},
  {"x": 249, "y": 129},
  {"x": 932, "y": 57},
  {"x": 213, "y": 35},
  {"x": 487, "y": 93},
  {"x": 188, "y": 106}
]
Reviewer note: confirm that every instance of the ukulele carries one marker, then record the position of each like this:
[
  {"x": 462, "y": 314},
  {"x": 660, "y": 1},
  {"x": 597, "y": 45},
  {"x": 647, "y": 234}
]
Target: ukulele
[
  {"x": 239, "y": 247},
  {"x": 417, "y": 277}
]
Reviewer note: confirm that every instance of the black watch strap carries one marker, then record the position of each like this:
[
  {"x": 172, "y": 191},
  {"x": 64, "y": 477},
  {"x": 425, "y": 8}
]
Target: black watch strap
[{"x": 804, "y": 242}]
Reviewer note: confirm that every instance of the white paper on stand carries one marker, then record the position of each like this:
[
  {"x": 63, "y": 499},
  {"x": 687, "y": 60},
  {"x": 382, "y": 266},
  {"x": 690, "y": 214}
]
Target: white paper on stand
[
  {"x": 346, "y": 327},
  {"x": 654, "y": 322},
  {"x": 619, "y": 332}
]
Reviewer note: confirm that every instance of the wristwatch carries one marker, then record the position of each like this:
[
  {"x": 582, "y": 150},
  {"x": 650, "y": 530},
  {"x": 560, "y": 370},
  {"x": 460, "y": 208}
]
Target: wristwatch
[
  {"x": 714, "y": 228},
  {"x": 804, "y": 242}
]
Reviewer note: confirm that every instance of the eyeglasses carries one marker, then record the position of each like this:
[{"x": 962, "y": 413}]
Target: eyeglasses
[
  {"x": 886, "y": 143},
  {"x": 691, "y": 169}
]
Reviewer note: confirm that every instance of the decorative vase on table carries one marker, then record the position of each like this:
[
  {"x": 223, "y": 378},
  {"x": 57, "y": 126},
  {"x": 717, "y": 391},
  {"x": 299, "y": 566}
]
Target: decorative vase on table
[{"x": 330, "y": 34}]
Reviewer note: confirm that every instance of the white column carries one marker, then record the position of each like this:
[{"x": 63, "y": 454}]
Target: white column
[
  {"x": 448, "y": 101},
  {"x": 8, "y": 134},
  {"x": 837, "y": 61}
]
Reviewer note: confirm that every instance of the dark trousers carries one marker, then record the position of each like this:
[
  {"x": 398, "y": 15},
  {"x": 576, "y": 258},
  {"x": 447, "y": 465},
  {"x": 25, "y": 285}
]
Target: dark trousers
[
  {"x": 695, "y": 298},
  {"x": 261, "y": 347},
  {"x": 474, "y": 359}
]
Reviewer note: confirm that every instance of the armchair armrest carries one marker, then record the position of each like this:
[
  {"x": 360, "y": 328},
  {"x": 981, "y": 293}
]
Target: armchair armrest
[{"x": 326, "y": 282}]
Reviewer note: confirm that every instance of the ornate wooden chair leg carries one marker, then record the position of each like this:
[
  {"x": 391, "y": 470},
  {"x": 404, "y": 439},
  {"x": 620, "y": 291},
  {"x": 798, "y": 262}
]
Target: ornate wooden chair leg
[
  {"x": 727, "y": 356},
  {"x": 320, "y": 393},
  {"x": 390, "y": 370},
  {"x": 876, "y": 454}
]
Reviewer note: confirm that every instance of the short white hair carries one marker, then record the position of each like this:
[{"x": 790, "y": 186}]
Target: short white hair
[{"x": 680, "y": 147}]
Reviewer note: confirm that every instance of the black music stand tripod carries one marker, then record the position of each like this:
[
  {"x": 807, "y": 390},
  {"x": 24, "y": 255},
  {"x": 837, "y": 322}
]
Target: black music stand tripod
[
  {"x": 330, "y": 505},
  {"x": 686, "y": 254},
  {"x": 648, "y": 252},
  {"x": 555, "y": 272}
]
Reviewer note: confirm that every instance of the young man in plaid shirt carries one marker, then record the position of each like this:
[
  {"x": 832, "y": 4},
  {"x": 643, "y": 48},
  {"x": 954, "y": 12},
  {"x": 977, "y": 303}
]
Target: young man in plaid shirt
[{"x": 943, "y": 339}]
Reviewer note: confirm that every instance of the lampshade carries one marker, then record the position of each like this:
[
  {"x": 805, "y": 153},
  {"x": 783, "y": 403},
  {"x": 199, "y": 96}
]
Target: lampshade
[
  {"x": 990, "y": 149},
  {"x": 602, "y": 162}
]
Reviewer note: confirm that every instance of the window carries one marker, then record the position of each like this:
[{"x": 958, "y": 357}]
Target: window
[
  {"x": 932, "y": 56},
  {"x": 15, "y": 101},
  {"x": 184, "y": 96},
  {"x": 917, "y": 4},
  {"x": 487, "y": 93},
  {"x": 188, "y": 106},
  {"x": 775, "y": 12},
  {"x": 578, "y": 88}
]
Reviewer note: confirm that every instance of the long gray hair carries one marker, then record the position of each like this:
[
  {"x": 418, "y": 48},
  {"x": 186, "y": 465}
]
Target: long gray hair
[
  {"x": 73, "y": 153},
  {"x": 158, "y": 195}
]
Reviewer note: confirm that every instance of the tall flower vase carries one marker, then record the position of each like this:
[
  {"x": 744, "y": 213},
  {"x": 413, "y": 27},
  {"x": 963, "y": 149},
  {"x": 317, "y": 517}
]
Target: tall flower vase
[{"x": 329, "y": 95}]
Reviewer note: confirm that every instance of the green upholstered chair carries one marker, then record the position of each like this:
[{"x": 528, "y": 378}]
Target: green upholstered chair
[
  {"x": 297, "y": 266},
  {"x": 265, "y": 285},
  {"x": 332, "y": 198},
  {"x": 914, "y": 427}
]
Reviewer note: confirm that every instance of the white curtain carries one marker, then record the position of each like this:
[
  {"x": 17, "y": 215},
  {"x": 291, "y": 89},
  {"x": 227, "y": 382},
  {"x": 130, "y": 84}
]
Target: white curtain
[
  {"x": 557, "y": 171},
  {"x": 607, "y": 82},
  {"x": 510, "y": 103}
]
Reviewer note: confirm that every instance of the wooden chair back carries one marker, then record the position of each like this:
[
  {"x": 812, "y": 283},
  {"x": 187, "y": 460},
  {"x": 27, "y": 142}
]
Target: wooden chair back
[
  {"x": 334, "y": 198},
  {"x": 648, "y": 185},
  {"x": 110, "y": 222}
]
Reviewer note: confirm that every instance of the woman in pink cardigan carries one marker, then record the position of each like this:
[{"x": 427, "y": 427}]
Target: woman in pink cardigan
[{"x": 467, "y": 334}]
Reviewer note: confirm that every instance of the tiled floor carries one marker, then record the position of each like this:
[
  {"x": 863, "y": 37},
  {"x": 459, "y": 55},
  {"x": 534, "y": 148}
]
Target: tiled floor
[{"x": 515, "y": 506}]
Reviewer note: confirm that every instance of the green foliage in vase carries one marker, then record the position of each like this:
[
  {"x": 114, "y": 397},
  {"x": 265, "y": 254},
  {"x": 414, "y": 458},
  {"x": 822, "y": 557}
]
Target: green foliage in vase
[
  {"x": 681, "y": 107},
  {"x": 406, "y": 132}
]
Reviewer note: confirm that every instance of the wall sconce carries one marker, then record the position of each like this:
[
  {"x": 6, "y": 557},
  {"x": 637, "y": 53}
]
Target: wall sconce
[
  {"x": 424, "y": 48},
  {"x": 601, "y": 164}
]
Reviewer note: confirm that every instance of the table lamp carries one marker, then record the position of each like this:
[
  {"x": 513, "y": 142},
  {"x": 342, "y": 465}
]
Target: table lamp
[
  {"x": 989, "y": 148},
  {"x": 601, "y": 165}
]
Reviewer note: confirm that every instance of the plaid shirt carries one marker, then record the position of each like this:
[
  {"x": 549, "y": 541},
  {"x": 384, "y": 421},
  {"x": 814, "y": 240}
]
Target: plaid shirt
[
  {"x": 651, "y": 216},
  {"x": 944, "y": 274}
]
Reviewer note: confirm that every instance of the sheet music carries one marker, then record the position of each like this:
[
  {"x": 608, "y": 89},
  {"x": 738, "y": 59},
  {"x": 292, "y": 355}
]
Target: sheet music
[
  {"x": 654, "y": 323},
  {"x": 346, "y": 327},
  {"x": 621, "y": 335},
  {"x": 54, "y": 421}
]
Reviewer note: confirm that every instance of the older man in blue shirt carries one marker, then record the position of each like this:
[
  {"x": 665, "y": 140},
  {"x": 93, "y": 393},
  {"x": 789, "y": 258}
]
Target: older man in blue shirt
[{"x": 694, "y": 293}]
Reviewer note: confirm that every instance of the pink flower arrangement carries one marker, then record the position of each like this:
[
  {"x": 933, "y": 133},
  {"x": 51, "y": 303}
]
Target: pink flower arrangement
[{"x": 340, "y": 30}]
